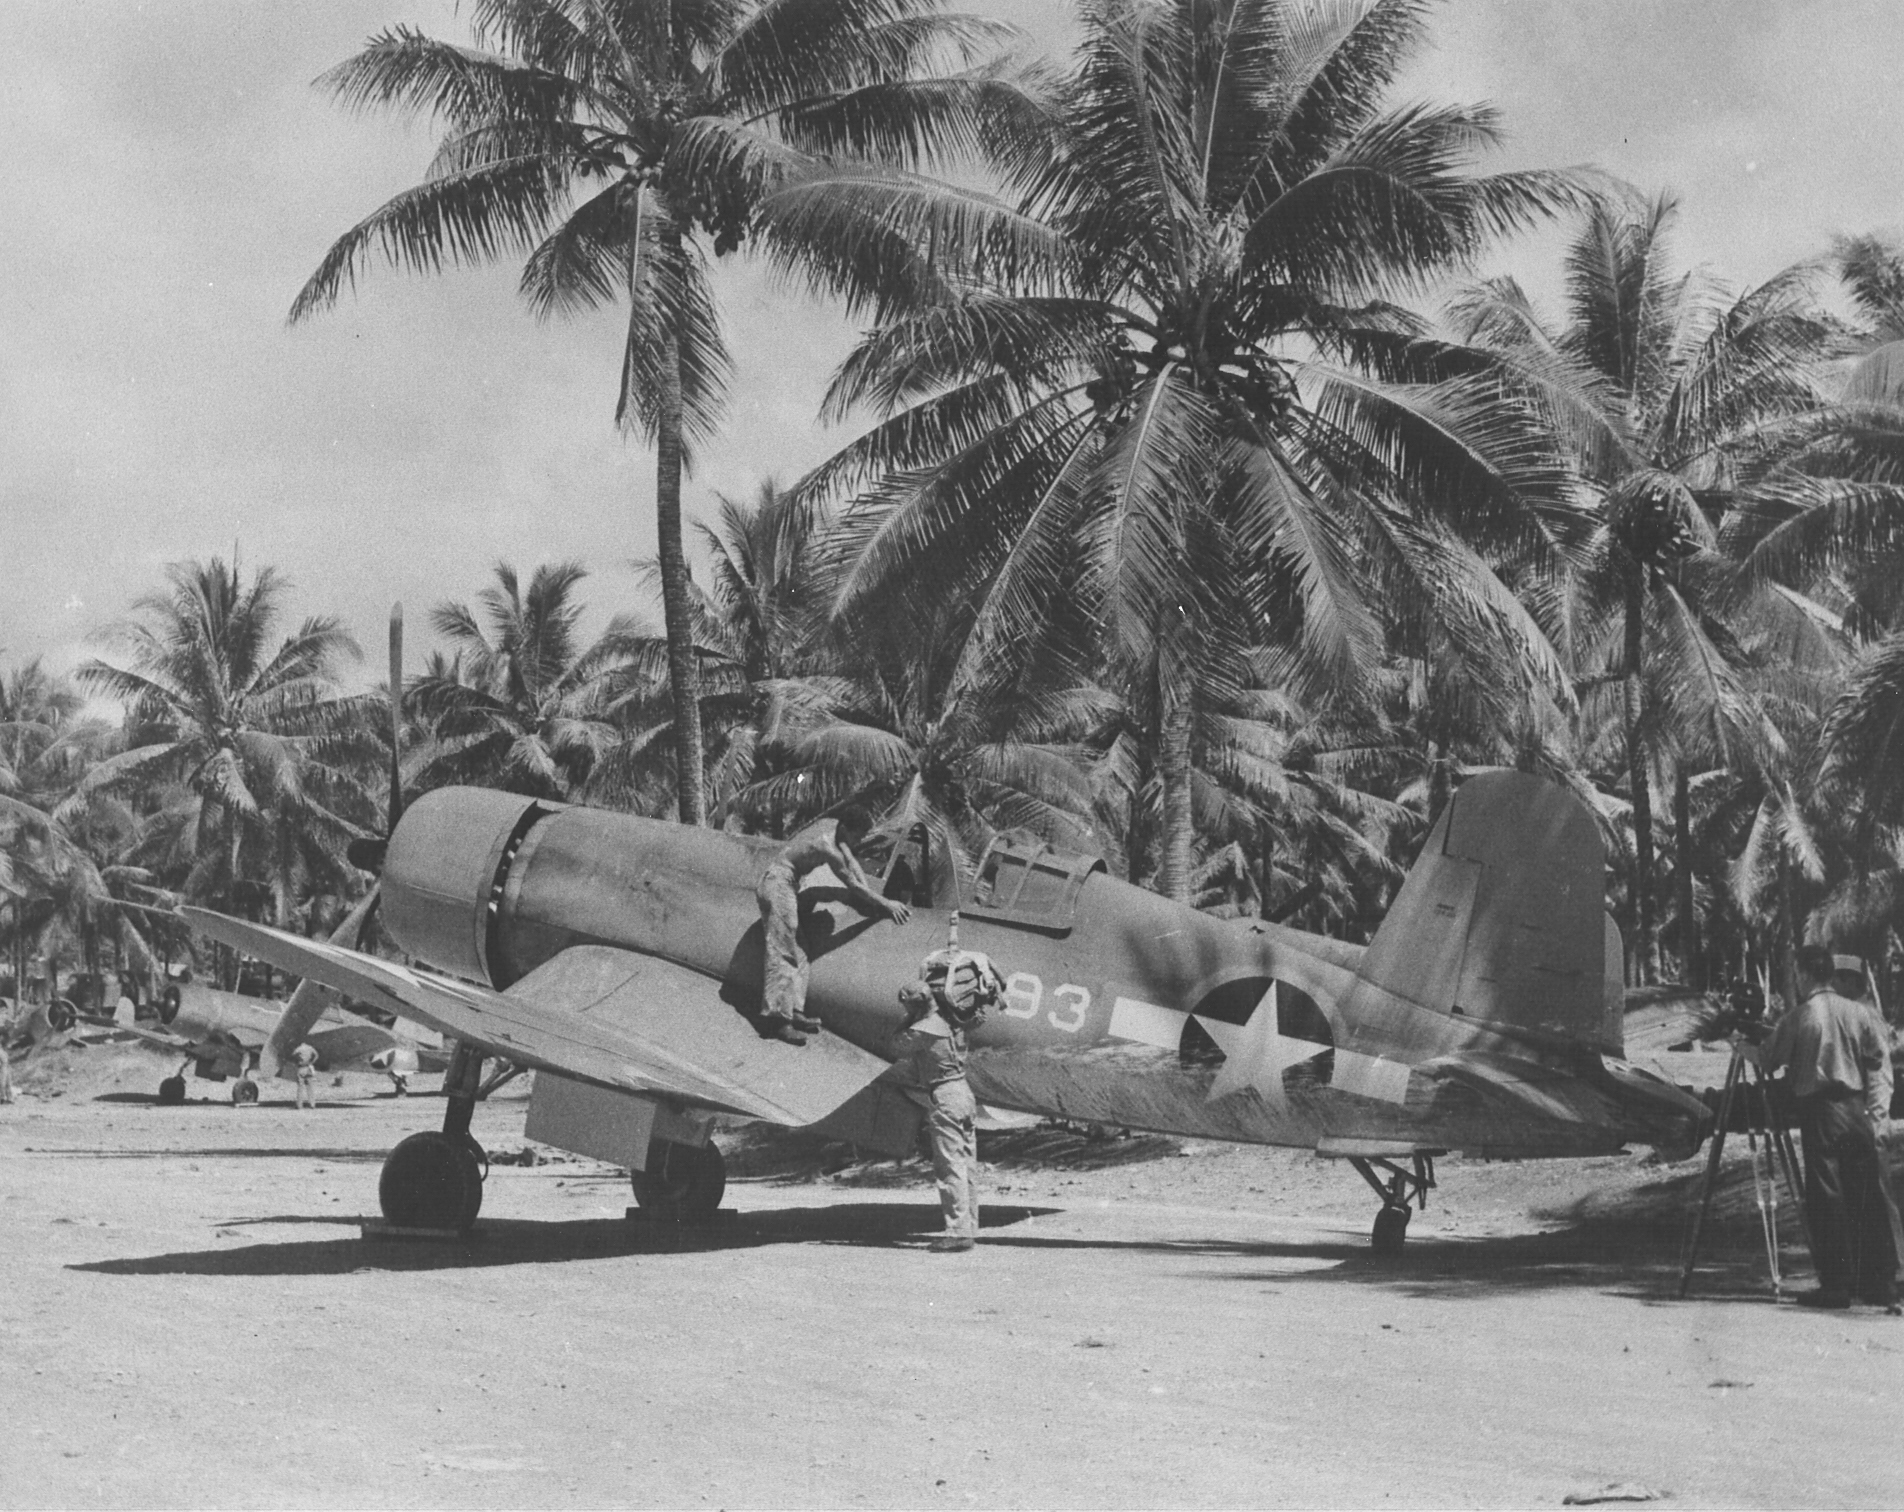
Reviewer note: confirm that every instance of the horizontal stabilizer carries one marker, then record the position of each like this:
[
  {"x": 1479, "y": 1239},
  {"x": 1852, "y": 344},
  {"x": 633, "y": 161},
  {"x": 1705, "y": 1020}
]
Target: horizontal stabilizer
[
  {"x": 609, "y": 1017},
  {"x": 1542, "y": 1091}
]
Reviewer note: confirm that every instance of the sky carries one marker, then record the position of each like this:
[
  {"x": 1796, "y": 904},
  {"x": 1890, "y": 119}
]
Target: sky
[{"x": 169, "y": 178}]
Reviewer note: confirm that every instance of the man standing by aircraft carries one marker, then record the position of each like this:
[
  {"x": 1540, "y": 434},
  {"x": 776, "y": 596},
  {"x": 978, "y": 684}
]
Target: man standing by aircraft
[
  {"x": 304, "y": 1058},
  {"x": 954, "y": 989},
  {"x": 826, "y": 842},
  {"x": 1837, "y": 1070}
]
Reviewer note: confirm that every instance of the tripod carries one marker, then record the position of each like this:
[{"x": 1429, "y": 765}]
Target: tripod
[{"x": 1780, "y": 1158}]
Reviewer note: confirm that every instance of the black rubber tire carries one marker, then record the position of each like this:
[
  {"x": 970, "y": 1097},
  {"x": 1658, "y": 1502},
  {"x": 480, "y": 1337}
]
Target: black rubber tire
[
  {"x": 1391, "y": 1231},
  {"x": 244, "y": 1091},
  {"x": 171, "y": 1091},
  {"x": 169, "y": 1001},
  {"x": 683, "y": 1183},
  {"x": 61, "y": 1015},
  {"x": 432, "y": 1181}
]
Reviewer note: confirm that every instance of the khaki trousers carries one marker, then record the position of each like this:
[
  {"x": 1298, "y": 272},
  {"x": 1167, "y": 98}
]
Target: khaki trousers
[
  {"x": 949, "y": 1125},
  {"x": 783, "y": 987}
]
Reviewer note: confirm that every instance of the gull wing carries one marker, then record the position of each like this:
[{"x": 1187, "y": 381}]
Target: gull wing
[{"x": 612, "y": 1018}]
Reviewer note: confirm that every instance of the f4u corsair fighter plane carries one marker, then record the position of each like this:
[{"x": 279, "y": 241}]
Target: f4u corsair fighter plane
[{"x": 617, "y": 956}]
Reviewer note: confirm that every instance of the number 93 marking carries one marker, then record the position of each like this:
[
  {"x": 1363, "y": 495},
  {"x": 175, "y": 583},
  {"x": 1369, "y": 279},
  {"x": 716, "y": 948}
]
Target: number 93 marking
[{"x": 1025, "y": 995}]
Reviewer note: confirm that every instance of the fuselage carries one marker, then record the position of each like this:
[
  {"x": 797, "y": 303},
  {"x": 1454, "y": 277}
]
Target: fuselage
[{"x": 1122, "y": 1007}]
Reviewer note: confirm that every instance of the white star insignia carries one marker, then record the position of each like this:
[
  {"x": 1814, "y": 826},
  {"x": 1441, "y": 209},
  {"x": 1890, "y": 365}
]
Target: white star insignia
[{"x": 1256, "y": 1053}]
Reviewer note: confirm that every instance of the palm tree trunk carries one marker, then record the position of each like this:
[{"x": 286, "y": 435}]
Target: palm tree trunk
[
  {"x": 1639, "y": 768},
  {"x": 1784, "y": 935},
  {"x": 683, "y": 674},
  {"x": 1268, "y": 856},
  {"x": 1440, "y": 781},
  {"x": 1691, "y": 966},
  {"x": 1173, "y": 763}
]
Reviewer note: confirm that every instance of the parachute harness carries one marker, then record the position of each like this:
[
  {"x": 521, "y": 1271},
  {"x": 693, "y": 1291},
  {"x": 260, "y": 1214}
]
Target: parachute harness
[{"x": 960, "y": 984}]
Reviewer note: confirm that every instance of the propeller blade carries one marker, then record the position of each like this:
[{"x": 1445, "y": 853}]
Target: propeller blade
[
  {"x": 396, "y": 718},
  {"x": 308, "y": 1003}
]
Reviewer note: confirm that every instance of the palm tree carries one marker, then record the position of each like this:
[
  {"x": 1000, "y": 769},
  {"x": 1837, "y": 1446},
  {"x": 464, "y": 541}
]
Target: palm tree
[
  {"x": 611, "y": 141},
  {"x": 57, "y": 848},
  {"x": 229, "y": 735},
  {"x": 1175, "y": 346},
  {"x": 927, "y": 727},
  {"x": 1669, "y": 391},
  {"x": 523, "y": 704},
  {"x": 762, "y": 633}
]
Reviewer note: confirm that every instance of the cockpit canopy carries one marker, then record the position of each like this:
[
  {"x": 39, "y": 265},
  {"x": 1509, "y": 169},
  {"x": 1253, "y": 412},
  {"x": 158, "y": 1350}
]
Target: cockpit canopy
[{"x": 1026, "y": 882}]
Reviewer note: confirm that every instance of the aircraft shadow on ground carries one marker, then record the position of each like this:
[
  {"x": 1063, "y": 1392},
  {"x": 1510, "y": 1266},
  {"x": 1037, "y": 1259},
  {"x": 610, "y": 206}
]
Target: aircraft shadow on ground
[
  {"x": 509, "y": 1241},
  {"x": 1636, "y": 1258},
  {"x": 1640, "y": 1261},
  {"x": 281, "y": 1098},
  {"x": 222, "y": 1152}
]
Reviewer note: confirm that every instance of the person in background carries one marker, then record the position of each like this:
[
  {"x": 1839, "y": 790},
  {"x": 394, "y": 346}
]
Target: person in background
[
  {"x": 304, "y": 1059},
  {"x": 1849, "y": 979},
  {"x": 825, "y": 842},
  {"x": 1834, "y": 1058}
]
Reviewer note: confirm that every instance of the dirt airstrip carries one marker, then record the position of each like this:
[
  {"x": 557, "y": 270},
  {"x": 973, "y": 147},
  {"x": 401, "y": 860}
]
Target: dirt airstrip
[{"x": 188, "y": 1317}]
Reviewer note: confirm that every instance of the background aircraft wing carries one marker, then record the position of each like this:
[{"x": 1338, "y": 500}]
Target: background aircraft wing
[
  {"x": 613, "y": 1018},
  {"x": 158, "y": 1037}
]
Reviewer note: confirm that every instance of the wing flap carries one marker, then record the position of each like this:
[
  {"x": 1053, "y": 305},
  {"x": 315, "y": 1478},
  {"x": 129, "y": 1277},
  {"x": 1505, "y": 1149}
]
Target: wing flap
[{"x": 671, "y": 1006}]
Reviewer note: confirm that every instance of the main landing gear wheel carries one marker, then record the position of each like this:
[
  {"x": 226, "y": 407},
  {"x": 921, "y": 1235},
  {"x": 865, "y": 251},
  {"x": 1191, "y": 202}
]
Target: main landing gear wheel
[
  {"x": 171, "y": 1091},
  {"x": 433, "y": 1181},
  {"x": 1391, "y": 1231},
  {"x": 61, "y": 1015},
  {"x": 683, "y": 1183},
  {"x": 1403, "y": 1189},
  {"x": 243, "y": 1092}
]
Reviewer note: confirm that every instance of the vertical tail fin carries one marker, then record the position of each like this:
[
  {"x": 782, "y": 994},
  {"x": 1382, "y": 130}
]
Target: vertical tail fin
[{"x": 1503, "y": 918}]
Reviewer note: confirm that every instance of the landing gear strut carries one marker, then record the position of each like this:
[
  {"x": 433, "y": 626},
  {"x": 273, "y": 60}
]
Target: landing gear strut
[
  {"x": 1398, "y": 1192},
  {"x": 435, "y": 1180}
]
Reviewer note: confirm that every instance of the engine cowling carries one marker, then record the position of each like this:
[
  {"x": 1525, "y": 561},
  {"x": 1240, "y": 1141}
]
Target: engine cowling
[
  {"x": 489, "y": 885},
  {"x": 444, "y": 872}
]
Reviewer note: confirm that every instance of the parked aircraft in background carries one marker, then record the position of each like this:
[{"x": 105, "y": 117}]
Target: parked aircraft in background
[
  {"x": 618, "y": 957},
  {"x": 222, "y": 1034}
]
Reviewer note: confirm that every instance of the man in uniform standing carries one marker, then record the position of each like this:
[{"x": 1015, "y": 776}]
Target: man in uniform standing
[
  {"x": 1837, "y": 1069},
  {"x": 825, "y": 842},
  {"x": 954, "y": 989},
  {"x": 304, "y": 1058}
]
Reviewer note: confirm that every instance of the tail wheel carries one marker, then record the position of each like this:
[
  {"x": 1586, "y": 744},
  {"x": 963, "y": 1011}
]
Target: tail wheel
[
  {"x": 244, "y": 1091},
  {"x": 1391, "y": 1231},
  {"x": 683, "y": 1183},
  {"x": 172, "y": 1091},
  {"x": 432, "y": 1181}
]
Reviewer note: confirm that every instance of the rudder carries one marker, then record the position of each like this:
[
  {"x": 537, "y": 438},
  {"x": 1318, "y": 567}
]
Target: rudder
[{"x": 1503, "y": 918}]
